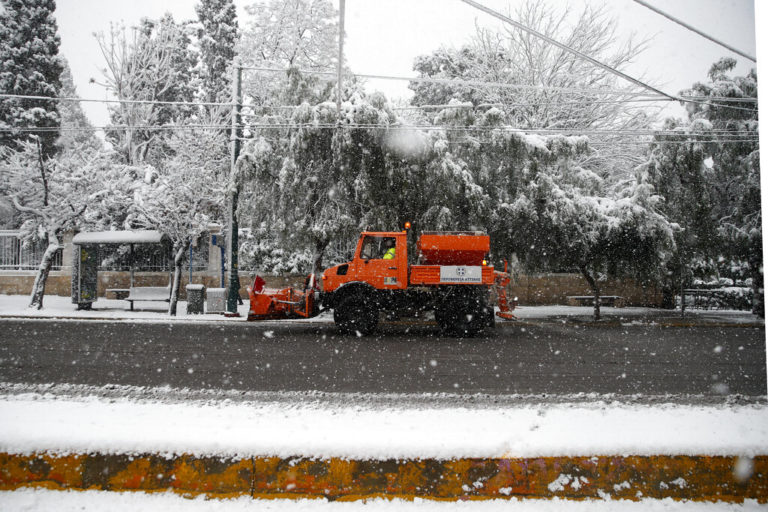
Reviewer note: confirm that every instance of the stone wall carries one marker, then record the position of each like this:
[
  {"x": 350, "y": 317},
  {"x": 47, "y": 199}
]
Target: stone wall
[
  {"x": 536, "y": 289},
  {"x": 541, "y": 289},
  {"x": 60, "y": 283}
]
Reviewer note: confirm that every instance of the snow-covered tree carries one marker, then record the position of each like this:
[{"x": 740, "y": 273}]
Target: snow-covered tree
[
  {"x": 298, "y": 34},
  {"x": 532, "y": 194},
  {"x": 154, "y": 64},
  {"x": 565, "y": 222},
  {"x": 217, "y": 38},
  {"x": 29, "y": 65},
  {"x": 708, "y": 170},
  {"x": 539, "y": 86},
  {"x": 304, "y": 197},
  {"x": 184, "y": 196},
  {"x": 51, "y": 195}
]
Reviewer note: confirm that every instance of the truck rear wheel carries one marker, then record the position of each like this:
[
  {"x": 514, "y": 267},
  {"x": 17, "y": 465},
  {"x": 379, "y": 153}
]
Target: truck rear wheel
[
  {"x": 355, "y": 313},
  {"x": 461, "y": 316}
]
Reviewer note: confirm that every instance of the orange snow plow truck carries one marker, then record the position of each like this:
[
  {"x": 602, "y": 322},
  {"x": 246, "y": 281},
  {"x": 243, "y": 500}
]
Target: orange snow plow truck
[{"x": 449, "y": 275}]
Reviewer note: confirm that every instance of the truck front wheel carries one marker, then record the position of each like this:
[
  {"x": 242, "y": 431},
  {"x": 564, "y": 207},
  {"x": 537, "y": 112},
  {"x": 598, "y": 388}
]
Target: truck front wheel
[{"x": 356, "y": 313}]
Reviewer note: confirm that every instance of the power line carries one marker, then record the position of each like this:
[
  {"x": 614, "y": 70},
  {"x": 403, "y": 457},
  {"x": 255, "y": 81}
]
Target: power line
[
  {"x": 709, "y": 136},
  {"x": 43, "y": 129},
  {"x": 567, "y": 48},
  {"x": 481, "y": 83},
  {"x": 633, "y": 96},
  {"x": 517, "y": 104},
  {"x": 151, "y": 102},
  {"x": 692, "y": 99},
  {"x": 600, "y": 145},
  {"x": 694, "y": 29},
  {"x": 448, "y": 128}
]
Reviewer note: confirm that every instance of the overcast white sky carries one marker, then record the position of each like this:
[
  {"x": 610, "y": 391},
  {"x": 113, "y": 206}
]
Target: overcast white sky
[{"x": 384, "y": 37}]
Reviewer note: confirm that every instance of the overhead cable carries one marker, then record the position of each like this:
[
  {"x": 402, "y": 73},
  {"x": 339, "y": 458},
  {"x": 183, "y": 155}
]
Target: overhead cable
[
  {"x": 694, "y": 29},
  {"x": 152, "y": 102},
  {"x": 641, "y": 98},
  {"x": 478, "y": 83},
  {"x": 567, "y": 48},
  {"x": 706, "y": 135}
]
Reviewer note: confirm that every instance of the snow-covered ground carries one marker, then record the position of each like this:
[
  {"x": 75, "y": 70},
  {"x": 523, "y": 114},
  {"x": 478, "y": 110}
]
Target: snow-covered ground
[
  {"x": 62, "y": 307},
  {"x": 32, "y": 422},
  {"x": 55, "y": 306},
  {"x": 93, "y": 501}
]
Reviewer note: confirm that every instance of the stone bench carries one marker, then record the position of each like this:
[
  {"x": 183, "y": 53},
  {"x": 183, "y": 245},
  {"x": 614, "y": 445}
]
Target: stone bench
[
  {"x": 589, "y": 300},
  {"x": 117, "y": 293},
  {"x": 149, "y": 293}
]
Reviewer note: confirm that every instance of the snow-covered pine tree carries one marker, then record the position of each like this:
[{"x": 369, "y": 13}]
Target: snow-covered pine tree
[
  {"x": 217, "y": 39},
  {"x": 29, "y": 65},
  {"x": 76, "y": 129}
]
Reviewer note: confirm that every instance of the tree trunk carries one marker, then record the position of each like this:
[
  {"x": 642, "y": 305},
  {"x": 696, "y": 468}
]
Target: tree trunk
[
  {"x": 756, "y": 273},
  {"x": 595, "y": 289},
  {"x": 317, "y": 257},
  {"x": 178, "y": 259},
  {"x": 38, "y": 289}
]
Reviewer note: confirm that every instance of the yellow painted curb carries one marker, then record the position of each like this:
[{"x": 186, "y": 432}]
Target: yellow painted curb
[{"x": 700, "y": 478}]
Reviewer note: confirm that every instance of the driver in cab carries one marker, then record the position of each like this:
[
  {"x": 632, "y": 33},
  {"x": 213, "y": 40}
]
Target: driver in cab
[{"x": 389, "y": 249}]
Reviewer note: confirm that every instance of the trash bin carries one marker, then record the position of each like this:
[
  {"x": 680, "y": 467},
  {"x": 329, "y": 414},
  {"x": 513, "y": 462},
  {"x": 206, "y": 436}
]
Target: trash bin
[
  {"x": 217, "y": 300},
  {"x": 195, "y": 299}
]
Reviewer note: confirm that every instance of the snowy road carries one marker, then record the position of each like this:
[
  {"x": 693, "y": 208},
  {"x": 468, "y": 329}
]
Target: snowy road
[{"x": 532, "y": 359}]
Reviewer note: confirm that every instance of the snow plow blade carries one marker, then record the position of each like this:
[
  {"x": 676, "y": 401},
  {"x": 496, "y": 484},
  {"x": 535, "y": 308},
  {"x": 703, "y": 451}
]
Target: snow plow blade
[{"x": 273, "y": 303}]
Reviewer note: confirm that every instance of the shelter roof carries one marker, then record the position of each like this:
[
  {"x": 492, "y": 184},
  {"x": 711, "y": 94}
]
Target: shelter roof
[{"x": 120, "y": 237}]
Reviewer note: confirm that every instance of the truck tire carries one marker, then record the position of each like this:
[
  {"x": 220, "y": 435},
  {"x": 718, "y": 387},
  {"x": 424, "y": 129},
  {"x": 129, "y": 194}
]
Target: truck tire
[
  {"x": 461, "y": 316},
  {"x": 356, "y": 313}
]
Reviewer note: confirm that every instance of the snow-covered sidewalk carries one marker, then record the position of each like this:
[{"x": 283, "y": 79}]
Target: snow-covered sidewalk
[
  {"x": 41, "y": 500},
  {"x": 34, "y": 422},
  {"x": 55, "y": 306},
  {"x": 111, "y": 309}
]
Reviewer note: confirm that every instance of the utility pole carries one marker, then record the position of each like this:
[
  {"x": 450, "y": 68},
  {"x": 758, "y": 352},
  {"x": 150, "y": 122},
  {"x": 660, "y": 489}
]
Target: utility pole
[{"x": 233, "y": 279}]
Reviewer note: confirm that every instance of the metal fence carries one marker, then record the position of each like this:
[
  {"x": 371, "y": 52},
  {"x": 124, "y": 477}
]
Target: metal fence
[
  {"x": 150, "y": 258},
  {"x": 17, "y": 254},
  {"x": 146, "y": 258}
]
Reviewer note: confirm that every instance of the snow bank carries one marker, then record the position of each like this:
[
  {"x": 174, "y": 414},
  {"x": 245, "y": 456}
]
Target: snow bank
[
  {"x": 34, "y": 422},
  {"x": 86, "y": 501}
]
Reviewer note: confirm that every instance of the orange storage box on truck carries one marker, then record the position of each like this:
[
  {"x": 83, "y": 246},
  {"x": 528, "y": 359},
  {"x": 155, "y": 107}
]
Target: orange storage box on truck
[{"x": 449, "y": 275}]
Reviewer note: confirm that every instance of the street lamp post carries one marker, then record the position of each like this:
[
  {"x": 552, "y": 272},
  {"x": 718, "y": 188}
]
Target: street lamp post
[{"x": 233, "y": 279}]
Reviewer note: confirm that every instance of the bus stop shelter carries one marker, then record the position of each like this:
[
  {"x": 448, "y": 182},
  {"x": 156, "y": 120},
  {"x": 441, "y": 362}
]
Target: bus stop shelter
[{"x": 85, "y": 260}]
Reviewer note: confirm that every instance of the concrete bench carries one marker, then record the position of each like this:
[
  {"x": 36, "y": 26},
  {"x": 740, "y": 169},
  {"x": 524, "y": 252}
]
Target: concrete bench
[
  {"x": 589, "y": 300},
  {"x": 149, "y": 293}
]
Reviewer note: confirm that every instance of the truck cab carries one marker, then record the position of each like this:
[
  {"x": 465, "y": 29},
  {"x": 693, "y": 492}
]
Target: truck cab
[{"x": 372, "y": 265}]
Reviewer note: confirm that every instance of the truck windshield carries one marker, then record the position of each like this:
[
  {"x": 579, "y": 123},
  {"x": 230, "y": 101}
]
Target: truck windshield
[{"x": 376, "y": 247}]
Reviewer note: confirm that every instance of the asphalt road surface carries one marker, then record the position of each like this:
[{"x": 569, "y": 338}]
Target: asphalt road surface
[{"x": 547, "y": 358}]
